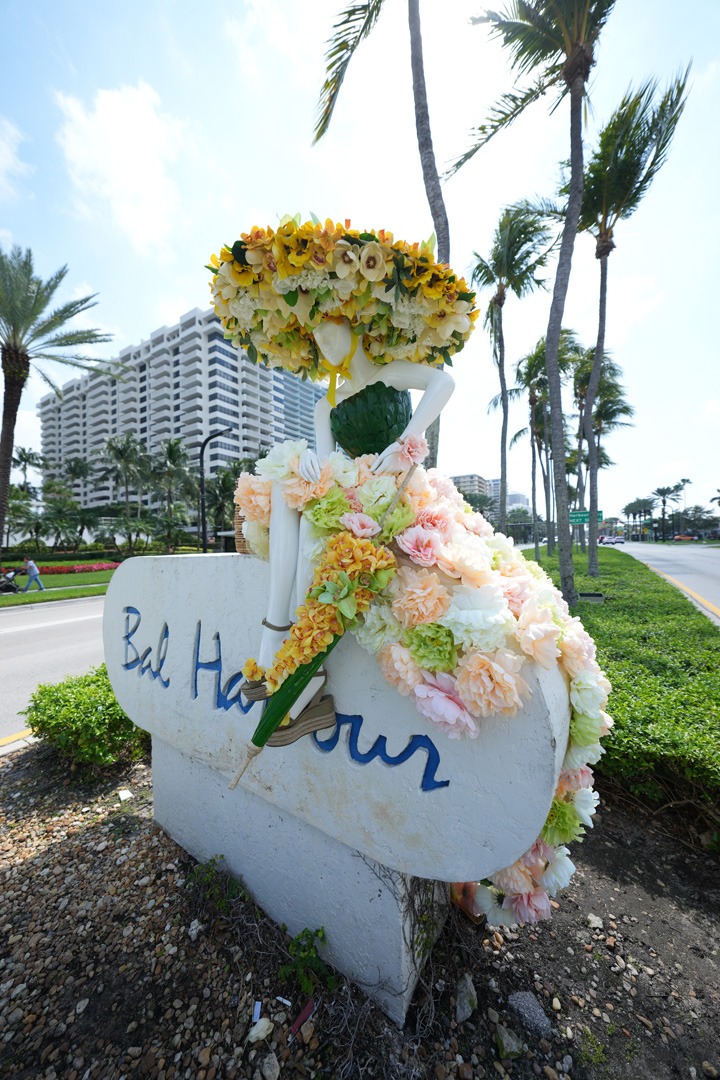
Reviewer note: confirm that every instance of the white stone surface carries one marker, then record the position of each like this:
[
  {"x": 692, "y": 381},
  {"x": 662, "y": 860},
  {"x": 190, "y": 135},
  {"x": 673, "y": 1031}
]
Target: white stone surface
[
  {"x": 298, "y": 875},
  {"x": 165, "y": 616}
]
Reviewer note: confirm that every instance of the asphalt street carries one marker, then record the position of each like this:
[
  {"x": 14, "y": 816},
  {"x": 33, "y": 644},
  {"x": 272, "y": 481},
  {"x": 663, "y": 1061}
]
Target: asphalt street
[
  {"x": 44, "y": 643},
  {"x": 692, "y": 567}
]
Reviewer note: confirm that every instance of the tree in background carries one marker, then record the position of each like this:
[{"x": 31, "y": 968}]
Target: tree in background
[
  {"x": 555, "y": 41},
  {"x": 120, "y": 462},
  {"x": 174, "y": 482},
  {"x": 632, "y": 148},
  {"x": 519, "y": 252},
  {"x": 31, "y": 331},
  {"x": 665, "y": 495},
  {"x": 355, "y": 23},
  {"x": 483, "y": 504},
  {"x": 23, "y": 459}
]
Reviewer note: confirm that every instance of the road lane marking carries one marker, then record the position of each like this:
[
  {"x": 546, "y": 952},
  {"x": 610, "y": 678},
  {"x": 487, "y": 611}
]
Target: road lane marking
[
  {"x": 690, "y": 592},
  {"x": 16, "y": 737},
  {"x": 45, "y": 625}
]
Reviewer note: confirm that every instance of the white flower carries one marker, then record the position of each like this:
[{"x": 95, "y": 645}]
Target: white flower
[
  {"x": 344, "y": 469},
  {"x": 243, "y": 309},
  {"x": 585, "y": 802},
  {"x": 375, "y": 494},
  {"x": 502, "y": 548},
  {"x": 588, "y": 693},
  {"x": 577, "y": 756},
  {"x": 276, "y": 466},
  {"x": 488, "y": 901},
  {"x": 379, "y": 628},
  {"x": 258, "y": 538},
  {"x": 478, "y": 618},
  {"x": 558, "y": 871}
]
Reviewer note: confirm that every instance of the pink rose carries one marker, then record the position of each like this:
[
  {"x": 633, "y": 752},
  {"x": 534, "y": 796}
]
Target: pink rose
[
  {"x": 438, "y": 517},
  {"x": 437, "y": 700},
  {"x": 422, "y": 545},
  {"x": 413, "y": 450},
  {"x": 360, "y": 525}
]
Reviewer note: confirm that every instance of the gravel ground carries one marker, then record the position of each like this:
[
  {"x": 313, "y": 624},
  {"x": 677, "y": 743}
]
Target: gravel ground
[{"x": 118, "y": 961}]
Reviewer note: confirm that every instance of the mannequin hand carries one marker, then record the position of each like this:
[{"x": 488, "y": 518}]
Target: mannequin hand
[
  {"x": 384, "y": 461},
  {"x": 309, "y": 466}
]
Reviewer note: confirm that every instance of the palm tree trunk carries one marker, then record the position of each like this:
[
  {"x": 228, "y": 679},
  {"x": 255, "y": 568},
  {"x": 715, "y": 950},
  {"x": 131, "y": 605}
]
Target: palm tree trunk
[
  {"x": 593, "y": 384},
  {"x": 502, "y": 509},
  {"x": 552, "y": 342},
  {"x": 15, "y": 369},
  {"x": 533, "y": 481},
  {"x": 431, "y": 179}
]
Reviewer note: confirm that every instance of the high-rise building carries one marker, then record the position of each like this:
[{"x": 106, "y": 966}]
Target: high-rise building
[
  {"x": 470, "y": 484},
  {"x": 183, "y": 382}
]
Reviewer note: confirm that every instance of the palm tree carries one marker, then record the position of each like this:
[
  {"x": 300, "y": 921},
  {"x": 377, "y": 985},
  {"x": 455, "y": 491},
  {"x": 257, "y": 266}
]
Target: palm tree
[
  {"x": 120, "y": 462},
  {"x": 354, "y": 24},
  {"x": 219, "y": 498},
  {"x": 555, "y": 39},
  {"x": 30, "y": 331},
  {"x": 665, "y": 495},
  {"x": 173, "y": 480},
  {"x": 513, "y": 265},
  {"x": 632, "y": 149},
  {"x": 24, "y": 458}
]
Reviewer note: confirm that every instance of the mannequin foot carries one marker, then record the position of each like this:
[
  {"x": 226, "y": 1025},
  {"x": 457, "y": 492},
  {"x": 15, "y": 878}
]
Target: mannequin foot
[{"x": 311, "y": 712}]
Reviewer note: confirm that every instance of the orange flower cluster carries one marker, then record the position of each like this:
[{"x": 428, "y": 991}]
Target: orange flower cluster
[{"x": 317, "y": 623}]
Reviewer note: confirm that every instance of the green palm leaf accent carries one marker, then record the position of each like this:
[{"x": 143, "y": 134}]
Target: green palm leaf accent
[
  {"x": 369, "y": 421},
  {"x": 280, "y": 703}
]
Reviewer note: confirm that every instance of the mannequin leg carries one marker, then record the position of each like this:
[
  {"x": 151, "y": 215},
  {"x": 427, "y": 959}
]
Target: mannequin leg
[{"x": 284, "y": 539}]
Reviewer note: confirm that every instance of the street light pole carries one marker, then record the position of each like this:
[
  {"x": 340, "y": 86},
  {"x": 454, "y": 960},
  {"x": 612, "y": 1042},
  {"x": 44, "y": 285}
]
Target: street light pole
[{"x": 203, "y": 519}]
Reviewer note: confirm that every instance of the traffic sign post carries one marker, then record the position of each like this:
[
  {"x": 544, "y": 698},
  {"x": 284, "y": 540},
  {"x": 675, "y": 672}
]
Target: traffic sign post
[{"x": 582, "y": 517}]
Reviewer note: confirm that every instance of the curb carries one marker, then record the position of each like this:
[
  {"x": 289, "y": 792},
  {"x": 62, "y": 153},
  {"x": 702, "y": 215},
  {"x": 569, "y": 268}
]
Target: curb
[{"x": 19, "y": 741}]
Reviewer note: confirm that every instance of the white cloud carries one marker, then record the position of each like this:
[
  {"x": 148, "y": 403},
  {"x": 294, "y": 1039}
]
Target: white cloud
[
  {"x": 117, "y": 154},
  {"x": 11, "y": 166}
]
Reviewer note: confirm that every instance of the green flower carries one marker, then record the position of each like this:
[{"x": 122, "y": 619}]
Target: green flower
[
  {"x": 325, "y": 513},
  {"x": 584, "y": 730},
  {"x": 432, "y": 647},
  {"x": 376, "y": 494},
  {"x": 563, "y": 824},
  {"x": 399, "y": 519}
]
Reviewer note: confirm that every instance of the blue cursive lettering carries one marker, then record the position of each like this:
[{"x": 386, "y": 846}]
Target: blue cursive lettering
[
  {"x": 143, "y": 661},
  {"x": 225, "y": 697},
  {"x": 379, "y": 750}
]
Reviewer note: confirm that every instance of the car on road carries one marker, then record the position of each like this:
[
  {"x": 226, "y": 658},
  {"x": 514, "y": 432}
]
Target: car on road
[{"x": 619, "y": 539}]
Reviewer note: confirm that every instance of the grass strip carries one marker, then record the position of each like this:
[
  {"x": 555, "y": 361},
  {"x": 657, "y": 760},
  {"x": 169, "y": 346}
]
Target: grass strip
[
  {"x": 48, "y": 595},
  {"x": 662, "y": 656}
]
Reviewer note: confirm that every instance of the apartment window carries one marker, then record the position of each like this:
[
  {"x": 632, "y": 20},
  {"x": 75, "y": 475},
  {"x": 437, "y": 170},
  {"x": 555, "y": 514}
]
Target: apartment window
[
  {"x": 176, "y": 395},
  {"x": 227, "y": 412}
]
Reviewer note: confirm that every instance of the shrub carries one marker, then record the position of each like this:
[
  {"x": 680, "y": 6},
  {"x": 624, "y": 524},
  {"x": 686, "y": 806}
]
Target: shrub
[{"x": 81, "y": 719}]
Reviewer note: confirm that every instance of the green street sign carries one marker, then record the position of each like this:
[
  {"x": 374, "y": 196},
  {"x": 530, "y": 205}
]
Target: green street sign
[{"x": 582, "y": 517}]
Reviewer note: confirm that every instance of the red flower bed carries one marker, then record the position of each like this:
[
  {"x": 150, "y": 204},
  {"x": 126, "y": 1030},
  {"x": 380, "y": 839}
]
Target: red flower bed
[{"x": 78, "y": 568}]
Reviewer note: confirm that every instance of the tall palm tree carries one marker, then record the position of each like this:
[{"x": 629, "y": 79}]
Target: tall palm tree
[
  {"x": 120, "y": 462},
  {"x": 354, "y": 24},
  {"x": 219, "y": 498},
  {"x": 632, "y": 149},
  {"x": 173, "y": 481},
  {"x": 665, "y": 495},
  {"x": 515, "y": 259},
  {"x": 554, "y": 40},
  {"x": 24, "y": 458},
  {"x": 31, "y": 331}
]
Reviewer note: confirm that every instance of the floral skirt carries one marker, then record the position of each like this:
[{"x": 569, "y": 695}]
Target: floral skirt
[{"x": 452, "y": 612}]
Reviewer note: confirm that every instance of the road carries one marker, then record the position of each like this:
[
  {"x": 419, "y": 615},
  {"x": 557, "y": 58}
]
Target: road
[
  {"x": 44, "y": 643},
  {"x": 693, "y": 567}
]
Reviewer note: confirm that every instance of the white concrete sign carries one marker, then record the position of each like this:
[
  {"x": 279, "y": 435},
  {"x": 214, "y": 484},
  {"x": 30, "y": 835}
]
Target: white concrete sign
[{"x": 382, "y": 780}]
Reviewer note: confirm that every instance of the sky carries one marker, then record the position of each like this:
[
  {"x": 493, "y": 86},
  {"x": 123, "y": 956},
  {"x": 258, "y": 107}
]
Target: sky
[{"x": 137, "y": 138}]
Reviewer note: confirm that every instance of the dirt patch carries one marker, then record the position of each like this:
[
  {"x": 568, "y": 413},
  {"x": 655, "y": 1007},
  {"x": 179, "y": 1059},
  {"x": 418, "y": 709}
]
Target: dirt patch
[{"x": 111, "y": 966}]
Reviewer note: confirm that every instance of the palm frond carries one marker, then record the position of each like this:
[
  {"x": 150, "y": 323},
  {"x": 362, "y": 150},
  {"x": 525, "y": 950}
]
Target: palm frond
[
  {"x": 508, "y": 108},
  {"x": 353, "y": 26}
]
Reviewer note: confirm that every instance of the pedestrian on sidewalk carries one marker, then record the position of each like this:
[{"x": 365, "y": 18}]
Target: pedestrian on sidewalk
[{"x": 33, "y": 575}]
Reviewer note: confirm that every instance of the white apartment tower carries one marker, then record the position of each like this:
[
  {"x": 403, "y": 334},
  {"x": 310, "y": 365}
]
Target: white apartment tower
[{"x": 183, "y": 382}]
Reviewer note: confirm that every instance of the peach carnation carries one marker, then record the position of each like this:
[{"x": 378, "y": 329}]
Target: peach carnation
[
  {"x": 399, "y": 668},
  {"x": 577, "y": 649},
  {"x": 466, "y": 558},
  {"x": 252, "y": 495},
  {"x": 439, "y": 517},
  {"x": 419, "y": 493},
  {"x": 421, "y": 598},
  {"x": 537, "y": 634},
  {"x": 489, "y": 683},
  {"x": 298, "y": 492}
]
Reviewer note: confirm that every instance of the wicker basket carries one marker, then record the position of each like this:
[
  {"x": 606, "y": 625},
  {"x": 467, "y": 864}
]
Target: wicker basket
[{"x": 241, "y": 544}]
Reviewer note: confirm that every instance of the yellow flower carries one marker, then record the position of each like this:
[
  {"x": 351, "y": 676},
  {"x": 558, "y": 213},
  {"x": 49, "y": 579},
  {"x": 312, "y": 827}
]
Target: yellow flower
[{"x": 252, "y": 670}]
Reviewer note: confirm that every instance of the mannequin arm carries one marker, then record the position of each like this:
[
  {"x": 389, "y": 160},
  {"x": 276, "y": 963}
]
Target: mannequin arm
[
  {"x": 324, "y": 440},
  {"x": 438, "y": 386}
]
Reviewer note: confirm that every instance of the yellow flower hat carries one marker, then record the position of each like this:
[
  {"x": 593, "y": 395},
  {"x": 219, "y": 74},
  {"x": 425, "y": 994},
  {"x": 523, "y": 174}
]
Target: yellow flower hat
[{"x": 271, "y": 288}]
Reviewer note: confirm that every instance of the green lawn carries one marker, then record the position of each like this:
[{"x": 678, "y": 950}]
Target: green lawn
[
  {"x": 59, "y": 587},
  {"x": 662, "y": 656}
]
